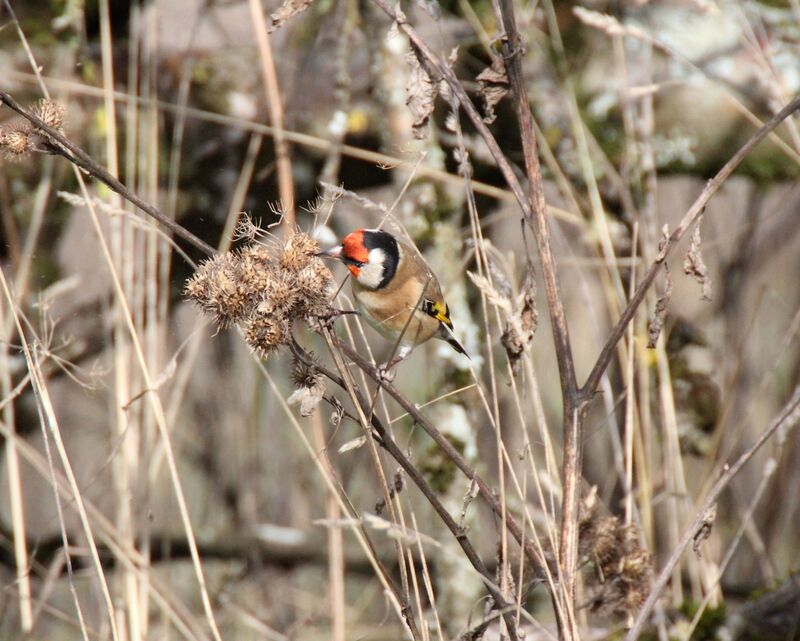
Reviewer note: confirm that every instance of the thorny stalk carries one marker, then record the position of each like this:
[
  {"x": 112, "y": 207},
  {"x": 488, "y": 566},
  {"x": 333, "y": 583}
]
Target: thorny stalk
[
  {"x": 787, "y": 419},
  {"x": 573, "y": 404},
  {"x": 713, "y": 185},
  {"x": 384, "y": 438},
  {"x": 532, "y": 205}
]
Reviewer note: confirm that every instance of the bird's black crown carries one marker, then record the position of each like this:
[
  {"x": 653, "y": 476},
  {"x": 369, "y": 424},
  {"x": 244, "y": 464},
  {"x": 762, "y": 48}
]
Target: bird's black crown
[{"x": 377, "y": 239}]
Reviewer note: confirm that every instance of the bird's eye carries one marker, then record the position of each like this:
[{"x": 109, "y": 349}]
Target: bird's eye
[{"x": 352, "y": 261}]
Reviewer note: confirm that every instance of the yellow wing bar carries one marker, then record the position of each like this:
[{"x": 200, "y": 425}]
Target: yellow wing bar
[{"x": 438, "y": 310}]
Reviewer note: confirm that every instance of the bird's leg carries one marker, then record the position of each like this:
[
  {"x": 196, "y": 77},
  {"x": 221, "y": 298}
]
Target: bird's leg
[
  {"x": 385, "y": 373},
  {"x": 331, "y": 314}
]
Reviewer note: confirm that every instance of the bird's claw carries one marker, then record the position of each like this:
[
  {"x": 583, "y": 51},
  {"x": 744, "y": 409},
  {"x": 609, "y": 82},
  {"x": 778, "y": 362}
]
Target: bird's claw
[
  {"x": 327, "y": 317},
  {"x": 385, "y": 373}
]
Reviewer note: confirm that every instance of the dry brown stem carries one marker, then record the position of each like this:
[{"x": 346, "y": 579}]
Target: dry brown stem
[
  {"x": 694, "y": 212},
  {"x": 787, "y": 419},
  {"x": 384, "y": 438},
  {"x": 61, "y": 145}
]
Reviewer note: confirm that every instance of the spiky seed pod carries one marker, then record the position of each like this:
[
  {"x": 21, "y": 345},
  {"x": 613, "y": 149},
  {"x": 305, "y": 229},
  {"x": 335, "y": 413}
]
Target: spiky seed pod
[
  {"x": 263, "y": 288},
  {"x": 281, "y": 291},
  {"x": 20, "y": 137},
  {"x": 15, "y": 141},
  {"x": 298, "y": 251},
  {"x": 309, "y": 386},
  {"x": 254, "y": 270},
  {"x": 619, "y": 570},
  {"x": 305, "y": 374},
  {"x": 266, "y": 332},
  {"x": 605, "y": 541},
  {"x": 313, "y": 283},
  {"x": 258, "y": 254},
  {"x": 215, "y": 286},
  {"x": 50, "y": 113}
]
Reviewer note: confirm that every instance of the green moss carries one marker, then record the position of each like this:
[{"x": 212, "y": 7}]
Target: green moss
[
  {"x": 620, "y": 633},
  {"x": 767, "y": 163},
  {"x": 458, "y": 378},
  {"x": 776, "y": 4},
  {"x": 437, "y": 467},
  {"x": 39, "y": 32},
  {"x": 709, "y": 623},
  {"x": 482, "y": 8},
  {"x": 439, "y": 208}
]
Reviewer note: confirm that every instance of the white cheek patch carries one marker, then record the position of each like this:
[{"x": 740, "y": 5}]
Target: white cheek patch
[{"x": 371, "y": 273}]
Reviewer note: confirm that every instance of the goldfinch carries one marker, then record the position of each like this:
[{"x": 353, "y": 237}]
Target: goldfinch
[{"x": 395, "y": 290}]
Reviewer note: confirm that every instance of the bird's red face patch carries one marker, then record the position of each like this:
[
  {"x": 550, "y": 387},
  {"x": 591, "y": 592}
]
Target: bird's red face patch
[{"x": 354, "y": 251}]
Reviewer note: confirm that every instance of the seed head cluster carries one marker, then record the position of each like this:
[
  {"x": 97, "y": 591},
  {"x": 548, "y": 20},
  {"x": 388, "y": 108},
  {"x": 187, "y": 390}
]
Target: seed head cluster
[
  {"x": 263, "y": 287},
  {"x": 19, "y": 137},
  {"x": 618, "y": 570},
  {"x": 309, "y": 385}
]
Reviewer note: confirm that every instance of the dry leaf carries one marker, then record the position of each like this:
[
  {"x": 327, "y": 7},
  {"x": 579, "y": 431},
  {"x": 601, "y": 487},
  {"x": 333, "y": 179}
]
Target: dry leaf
[
  {"x": 307, "y": 398},
  {"x": 353, "y": 445},
  {"x": 287, "y": 10},
  {"x": 493, "y": 86},
  {"x": 693, "y": 264},
  {"x": 420, "y": 94},
  {"x": 657, "y": 322},
  {"x": 704, "y": 529},
  {"x": 528, "y": 316},
  {"x": 499, "y": 278},
  {"x": 521, "y": 326}
]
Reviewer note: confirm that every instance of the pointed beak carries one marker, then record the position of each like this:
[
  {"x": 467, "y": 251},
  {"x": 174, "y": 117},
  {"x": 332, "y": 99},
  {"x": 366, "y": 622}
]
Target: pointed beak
[{"x": 333, "y": 252}]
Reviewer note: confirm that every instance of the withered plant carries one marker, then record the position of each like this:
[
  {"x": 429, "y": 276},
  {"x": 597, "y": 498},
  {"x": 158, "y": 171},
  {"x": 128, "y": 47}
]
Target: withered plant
[{"x": 279, "y": 295}]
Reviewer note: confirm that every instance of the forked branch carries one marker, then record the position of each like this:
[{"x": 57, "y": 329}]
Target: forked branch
[{"x": 711, "y": 188}]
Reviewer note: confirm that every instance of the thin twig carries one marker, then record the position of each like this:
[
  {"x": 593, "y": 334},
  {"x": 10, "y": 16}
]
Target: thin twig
[
  {"x": 63, "y": 146},
  {"x": 786, "y": 419},
  {"x": 452, "y": 453},
  {"x": 603, "y": 360},
  {"x": 273, "y": 94},
  {"x": 385, "y": 440},
  {"x": 572, "y": 414}
]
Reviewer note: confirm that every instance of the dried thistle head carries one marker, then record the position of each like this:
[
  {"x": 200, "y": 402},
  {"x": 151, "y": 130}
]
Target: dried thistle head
[
  {"x": 258, "y": 254},
  {"x": 216, "y": 288},
  {"x": 20, "y": 137},
  {"x": 309, "y": 386},
  {"x": 281, "y": 292},
  {"x": 254, "y": 271},
  {"x": 15, "y": 141},
  {"x": 618, "y": 570},
  {"x": 305, "y": 373},
  {"x": 300, "y": 249},
  {"x": 313, "y": 284},
  {"x": 265, "y": 332},
  {"x": 264, "y": 288},
  {"x": 50, "y": 113}
]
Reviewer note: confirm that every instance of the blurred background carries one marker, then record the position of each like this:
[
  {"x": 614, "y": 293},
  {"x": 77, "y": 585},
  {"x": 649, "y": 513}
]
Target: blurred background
[{"x": 132, "y": 426}]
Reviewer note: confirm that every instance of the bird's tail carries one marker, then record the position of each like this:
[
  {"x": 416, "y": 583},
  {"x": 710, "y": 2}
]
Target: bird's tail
[{"x": 447, "y": 335}]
